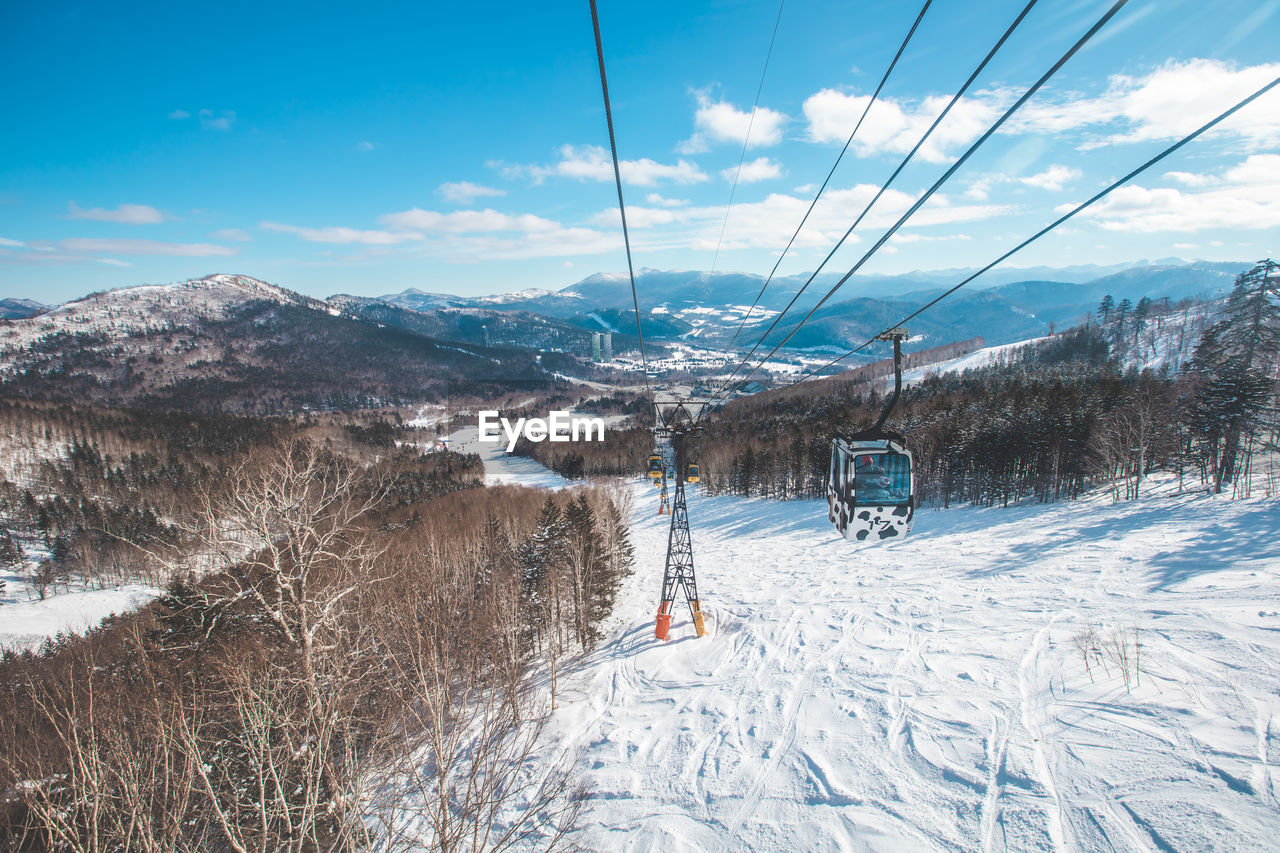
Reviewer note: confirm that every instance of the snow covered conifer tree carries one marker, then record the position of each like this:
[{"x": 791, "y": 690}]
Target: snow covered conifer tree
[
  {"x": 1107, "y": 305},
  {"x": 1234, "y": 364}
]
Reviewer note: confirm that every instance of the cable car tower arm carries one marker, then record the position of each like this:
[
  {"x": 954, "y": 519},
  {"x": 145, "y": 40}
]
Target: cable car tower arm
[{"x": 897, "y": 334}]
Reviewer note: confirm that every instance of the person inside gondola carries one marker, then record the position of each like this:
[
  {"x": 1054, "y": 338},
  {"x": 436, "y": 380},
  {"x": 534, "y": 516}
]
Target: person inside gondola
[{"x": 872, "y": 483}]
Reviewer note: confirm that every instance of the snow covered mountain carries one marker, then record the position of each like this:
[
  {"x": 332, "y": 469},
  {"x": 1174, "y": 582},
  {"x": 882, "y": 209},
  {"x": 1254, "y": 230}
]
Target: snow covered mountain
[
  {"x": 231, "y": 342},
  {"x": 128, "y": 311},
  {"x": 17, "y": 309}
]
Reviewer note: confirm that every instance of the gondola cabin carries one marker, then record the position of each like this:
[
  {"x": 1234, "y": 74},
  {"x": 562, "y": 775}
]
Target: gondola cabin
[
  {"x": 691, "y": 474},
  {"x": 655, "y": 468},
  {"x": 870, "y": 488}
]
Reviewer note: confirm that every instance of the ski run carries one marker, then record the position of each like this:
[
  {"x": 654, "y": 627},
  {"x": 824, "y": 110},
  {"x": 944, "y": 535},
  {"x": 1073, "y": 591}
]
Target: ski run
[{"x": 1077, "y": 676}]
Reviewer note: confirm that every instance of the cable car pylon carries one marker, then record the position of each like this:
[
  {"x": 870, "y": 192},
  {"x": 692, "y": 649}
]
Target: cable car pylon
[
  {"x": 664, "y": 499},
  {"x": 678, "y": 574}
]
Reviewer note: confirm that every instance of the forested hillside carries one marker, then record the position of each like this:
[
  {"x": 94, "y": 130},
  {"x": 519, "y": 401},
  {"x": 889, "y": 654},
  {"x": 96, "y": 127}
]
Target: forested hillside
[
  {"x": 1048, "y": 421},
  {"x": 345, "y": 619}
]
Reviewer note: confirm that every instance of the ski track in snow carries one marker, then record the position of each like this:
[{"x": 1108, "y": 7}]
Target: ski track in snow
[
  {"x": 927, "y": 694},
  {"x": 502, "y": 468}
]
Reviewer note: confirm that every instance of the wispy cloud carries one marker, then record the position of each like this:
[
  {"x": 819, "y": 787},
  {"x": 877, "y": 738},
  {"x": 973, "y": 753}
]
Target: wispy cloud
[
  {"x": 142, "y": 247},
  {"x": 465, "y": 192},
  {"x": 224, "y": 120},
  {"x": 339, "y": 234},
  {"x": 125, "y": 214},
  {"x": 209, "y": 119},
  {"x": 769, "y": 223},
  {"x": 235, "y": 234},
  {"x": 464, "y": 221},
  {"x": 1053, "y": 178},
  {"x": 592, "y": 163},
  {"x": 660, "y": 201},
  {"x": 1167, "y": 103},
  {"x": 1243, "y": 197}
]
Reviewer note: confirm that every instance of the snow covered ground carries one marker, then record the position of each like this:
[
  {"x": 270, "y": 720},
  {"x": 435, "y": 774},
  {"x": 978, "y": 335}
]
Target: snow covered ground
[
  {"x": 932, "y": 694},
  {"x": 977, "y": 358},
  {"x": 502, "y": 468},
  {"x": 26, "y": 621},
  {"x": 964, "y": 689}
]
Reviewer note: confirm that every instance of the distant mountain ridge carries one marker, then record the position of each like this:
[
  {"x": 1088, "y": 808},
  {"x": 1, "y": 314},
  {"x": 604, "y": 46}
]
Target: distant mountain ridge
[
  {"x": 708, "y": 308},
  {"x": 236, "y": 343},
  {"x": 20, "y": 309}
]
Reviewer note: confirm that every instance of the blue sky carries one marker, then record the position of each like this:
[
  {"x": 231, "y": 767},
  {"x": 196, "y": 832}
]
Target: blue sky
[{"x": 331, "y": 148}]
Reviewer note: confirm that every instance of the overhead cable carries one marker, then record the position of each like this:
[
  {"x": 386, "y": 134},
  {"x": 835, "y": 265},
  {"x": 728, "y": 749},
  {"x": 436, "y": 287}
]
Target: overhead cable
[
  {"x": 874, "y": 95},
  {"x": 1052, "y": 225},
  {"x": 883, "y": 189},
  {"x": 1115, "y": 8},
  {"x": 622, "y": 207}
]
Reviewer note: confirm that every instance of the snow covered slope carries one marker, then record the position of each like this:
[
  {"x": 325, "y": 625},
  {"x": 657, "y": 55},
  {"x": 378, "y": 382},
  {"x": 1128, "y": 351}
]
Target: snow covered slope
[
  {"x": 932, "y": 694},
  {"x": 26, "y": 622},
  {"x": 977, "y": 358}
]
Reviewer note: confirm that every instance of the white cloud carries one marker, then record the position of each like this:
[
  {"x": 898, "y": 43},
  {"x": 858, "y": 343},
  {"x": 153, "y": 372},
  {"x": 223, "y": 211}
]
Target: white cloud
[
  {"x": 548, "y": 244},
  {"x": 892, "y": 127},
  {"x": 1190, "y": 179},
  {"x": 465, "y": 192},
  {"x": 467, "y": 236},
  {"x": 654, "y": 198},
  {"x": 4, "y": 241},
  {"x": 179, "y": 115},
  {"x": 721, "y": 121},
  {"x": 365, "y": 145},
  {"x": 1053, "y": 178},
  {"x": 760, "y": 169},
  {"x": 769, "y": 224},
  {"x": 235, "y": 234},
  {"x": 142, "y": 247},
  {"x": 338, "y": 234},
  {"x": 1244, "y": 197},
  {"x": 509, "y": 171},
  {"x": 224, "y": 120},
  {"x": 638, "y": 217},
  {"x": 592, "y": 163},
  {"x": 125, "y": 214},
  {"x": 466, "y": 221},
  {"x": 1170, "y": 102}
]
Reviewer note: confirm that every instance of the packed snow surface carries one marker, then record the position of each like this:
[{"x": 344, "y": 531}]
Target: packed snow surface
[
  {"x": 26, "y": 622},
  {"x": 502, "y": 468},
  {"x": 931, "y": 694}
]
